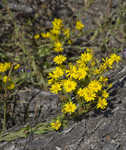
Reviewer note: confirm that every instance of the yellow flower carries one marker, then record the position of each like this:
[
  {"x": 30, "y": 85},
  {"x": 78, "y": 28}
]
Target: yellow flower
[
  {"x": 81, "y": 73},
  {"x": 69, "y": 108},
  {"x": 50, "y": 81},
  {"x": 55, "y": 88},
  {"x": 58, "y": 46},
  {"x": 56, "y": 125},
  {"x": 89, "y": 95},
  {"x": 45, "y": 35},
  {"x": 105, "y": 94},
  {"x": 57, "y": 73},
  {"x": 5, "y": 79},
  {"x": 55, "y": 31},
  {"x": 78, "y": 71},
  {"x": 66, "y": 32},
  {"x": 36, "y": 36},
  {"x": 95, "y": 86},
  {"x": 5, "y": 66},
  {"x": 16, "y": 66},
  {"x": 80, "y": 63},
  {"x": 103, "y": 67},
  {"x": 102, "y": 103},
  {"x": 11, "y": 86},
  {"x": 115, "y": 57},
  {"x": 108, "y": 62},
  {"x": 72, "y": 71},
  {"x": 80, "y": 92},
  {"x": 69, "y": 85},
  {"x": 79, "y": 25},
  {"x": 59, "y": 59},
  {"x": 57, "y": 23},
  {"x": 86, "y": 57},
  {"x": 103, "y": 79}
]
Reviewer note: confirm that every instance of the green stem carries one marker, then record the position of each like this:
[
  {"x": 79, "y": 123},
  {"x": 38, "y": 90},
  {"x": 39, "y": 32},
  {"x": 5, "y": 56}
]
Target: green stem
[{"x": 5, "y": 116}]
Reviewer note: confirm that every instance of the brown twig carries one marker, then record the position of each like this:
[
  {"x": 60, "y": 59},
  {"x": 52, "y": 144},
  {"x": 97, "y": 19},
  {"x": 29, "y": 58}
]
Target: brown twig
[{"x": 109, "y": 7}]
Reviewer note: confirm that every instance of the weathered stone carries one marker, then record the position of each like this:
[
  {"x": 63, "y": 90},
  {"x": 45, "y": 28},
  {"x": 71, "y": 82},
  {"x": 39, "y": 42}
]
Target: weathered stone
[{"x": 34, "y": 103}]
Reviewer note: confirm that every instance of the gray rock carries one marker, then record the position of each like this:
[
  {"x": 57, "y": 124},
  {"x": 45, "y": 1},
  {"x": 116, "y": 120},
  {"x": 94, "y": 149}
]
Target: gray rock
[
  {"x": 108, "y": 147},
  {"x": 42, "y": 0},
  {"x": 34, "y": 103},
  {"x": 19, "y": 7}
]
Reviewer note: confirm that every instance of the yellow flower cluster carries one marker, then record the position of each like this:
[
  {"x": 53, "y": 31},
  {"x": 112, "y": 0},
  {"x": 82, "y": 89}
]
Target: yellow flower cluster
[
  {"x": 54, "y": 33},
  {"x": 5, "y": 66},
  {"x": 57, "y": 25},
  {"x": 113, "y": 58},
  {"x": 77, "y": 71},
  {"x": 8, "y": 82},
  {"x": 89, "y": 92},
  {"x": 102, "y": 102},
  {"x": 107, "y": 63},
  {"x": 80, "y": 69},
  {"x": 67, "y": 79},
  {"x": 83, "y": 79},
  {"x": 56, "y": 125},
  {"x": 58, "y": 31}
]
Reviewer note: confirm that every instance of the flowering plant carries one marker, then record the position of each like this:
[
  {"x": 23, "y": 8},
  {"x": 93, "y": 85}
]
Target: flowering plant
[
  {"x": 6, "y": 84},
  {"x": 82, "y": 82}
]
